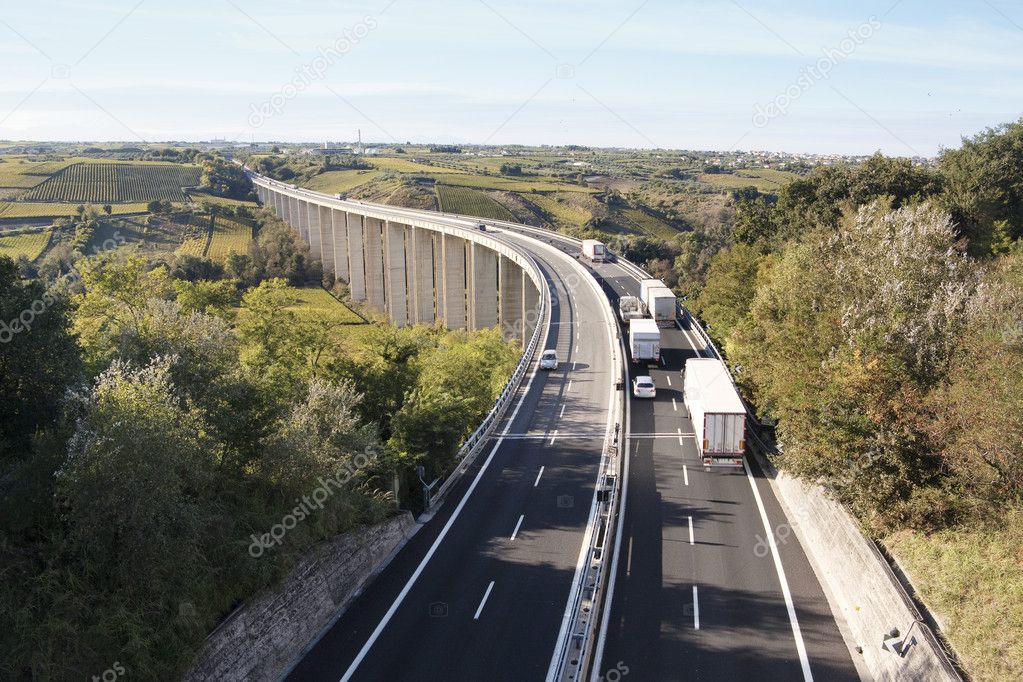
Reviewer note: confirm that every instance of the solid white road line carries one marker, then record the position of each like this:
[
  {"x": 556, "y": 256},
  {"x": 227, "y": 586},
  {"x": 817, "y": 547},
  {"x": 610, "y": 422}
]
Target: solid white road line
[
  {"x": 538, "y": 475},
  {"x": 692, "y": 539},
  {"x": 696, "y": 607},
  {"x": 685, "y": 474},
  {"x": 553, "y": 436},
  {"x": 517, "y": 526},
  {"x": 786, "y": 593},
  {"x": 674, "y": 405},
  {"x": 440, "y": 538},
  {"x": 483, "y": 603}
]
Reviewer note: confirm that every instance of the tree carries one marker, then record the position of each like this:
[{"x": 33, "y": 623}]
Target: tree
[
  {"x": 38, "y": 358},
  {"x": 728, "y": 289},
  {"x": 984, "y": 185},
  {"x": 846, "y": 336},
  {"x": 116, "y": 291}
]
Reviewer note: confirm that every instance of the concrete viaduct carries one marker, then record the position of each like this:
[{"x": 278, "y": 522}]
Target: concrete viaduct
[{"x": 414, "y": 269}]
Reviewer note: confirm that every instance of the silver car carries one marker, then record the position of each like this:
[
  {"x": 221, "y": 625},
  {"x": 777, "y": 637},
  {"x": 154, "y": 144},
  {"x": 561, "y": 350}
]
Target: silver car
[{"x": 549, "y": 359}]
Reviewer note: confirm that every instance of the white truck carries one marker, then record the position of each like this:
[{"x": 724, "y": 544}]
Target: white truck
[
  {"x": 630, "y": 308},
  {"x": 644, "y": 341},
  {"x": 660, "y": 303},
  {"x": 594, "y": 250},
  {"x": 717, "y": 412},
  {"x": 647, "y": 284}
]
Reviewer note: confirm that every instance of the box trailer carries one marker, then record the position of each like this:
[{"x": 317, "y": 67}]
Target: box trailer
[
  {"x": 630, "y": 308},
  {"x": 594, "y": 250},
  {"x": 646, "y": 284},
  {"x": 660, "y": 303},
  {"x": 717, "y": 411},
  {"x": 644, "y": 341}
]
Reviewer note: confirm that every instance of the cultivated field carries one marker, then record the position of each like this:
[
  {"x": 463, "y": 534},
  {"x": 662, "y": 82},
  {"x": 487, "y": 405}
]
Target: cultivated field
[
  {"x": 116, "y": 183},
  {"x": 764, "y": 179},
  {"x": 317, "y": 304},
  {"x": 10, "y": 210},
  {"x": 471, "y": 202},
  {"x": 229, "y": 236},
  {"x": 335, "y": 182},
  {"x": 28, "y": 244}
]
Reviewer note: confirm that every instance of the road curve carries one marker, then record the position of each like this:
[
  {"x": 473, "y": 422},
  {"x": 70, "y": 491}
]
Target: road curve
[{"x": 482, "y": 590}]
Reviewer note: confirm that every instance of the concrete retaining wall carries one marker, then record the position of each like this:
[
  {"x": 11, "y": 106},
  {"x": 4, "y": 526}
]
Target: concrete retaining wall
[
  {"x": 262, "y": 638},
  {"x": 861, "y": 585}
]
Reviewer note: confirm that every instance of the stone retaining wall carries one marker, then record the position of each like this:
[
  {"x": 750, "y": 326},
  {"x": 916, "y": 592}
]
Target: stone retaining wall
[{"x": 263, "y": 637}]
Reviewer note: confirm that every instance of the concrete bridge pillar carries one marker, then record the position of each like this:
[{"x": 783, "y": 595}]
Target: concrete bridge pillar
[
  {"x": 312, "y": 216},
  {"x": 451, "y": 298},
  {"x": 278, "y": 204},
  {"x": 356, "y": 262},
  {"x": 326, "y": 230},
  {"x": 396, "y": 273},
  {"x": 483, "y": 302},
  {"x": 421, "y": 284},
  {"x": 339, "y": 226},
  {"x": 511, "y": 282},
  {"x": 375, "y": 263},
  {"x": 530, "y": 308}
]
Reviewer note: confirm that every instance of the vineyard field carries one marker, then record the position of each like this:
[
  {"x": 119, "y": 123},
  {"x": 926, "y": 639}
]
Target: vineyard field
[
  {"x": 471, "y": 202},
  {"x": 116, "y": 183},
  {"x": 230, "y": 236},
  {"x": 28, "y": 244}
]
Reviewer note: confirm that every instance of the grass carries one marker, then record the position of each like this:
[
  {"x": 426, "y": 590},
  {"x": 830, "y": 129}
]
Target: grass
[
  {"x": 508, "y": 184},
  {"x": 336, "y": 182},
  {"x": 471, "y": 202},
  {"x": 116, "y": 183},
  {"x": 229, "y": 236},
  {"x": 57, "y": 210},
  {"x": 561, "y": 211},
  {"x": 387, "y": 163},
  {"x": 201, "y": 197},
  {"x": 647, "y": 224},
  {"x": 764, "y": 179},
  {"x": 28, "y": 244},
  {"x": 315, "y": 303},
  {"x": 972, "y": 579}
]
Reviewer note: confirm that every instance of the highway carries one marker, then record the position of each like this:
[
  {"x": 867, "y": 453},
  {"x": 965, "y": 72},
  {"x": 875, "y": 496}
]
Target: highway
[
  {"x": 481, "y": 591},
  {"x": 708, "y": 582}
]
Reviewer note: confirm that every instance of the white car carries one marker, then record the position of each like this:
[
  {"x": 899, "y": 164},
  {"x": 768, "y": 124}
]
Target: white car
[
  {"x": 549, "y": 359},
  {"x": 643, "y": 387}
]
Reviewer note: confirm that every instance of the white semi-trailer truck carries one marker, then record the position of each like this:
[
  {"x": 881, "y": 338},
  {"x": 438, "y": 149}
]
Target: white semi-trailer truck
[
  {"x": 630, "y": 308},
  {"x": 660, "y": 303},
  {"x": 646, "y": 285},
  {"x": 718, "y": 414},
  {"x": 644, "y": 341},
  {"x": 594, "y": 250}
]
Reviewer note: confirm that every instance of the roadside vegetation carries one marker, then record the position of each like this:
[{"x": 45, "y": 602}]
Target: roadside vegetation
[
  {"x": 161, "y": 413},
  {"x": 875, "y": 314}
]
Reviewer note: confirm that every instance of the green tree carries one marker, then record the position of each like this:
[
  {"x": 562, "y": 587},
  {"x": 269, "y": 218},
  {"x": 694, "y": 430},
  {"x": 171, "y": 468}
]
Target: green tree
[{"x": 39, "y": 358}]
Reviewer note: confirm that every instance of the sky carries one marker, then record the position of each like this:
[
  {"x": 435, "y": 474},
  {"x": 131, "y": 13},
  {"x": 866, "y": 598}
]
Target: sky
[{"x": 906, "y": 77}]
